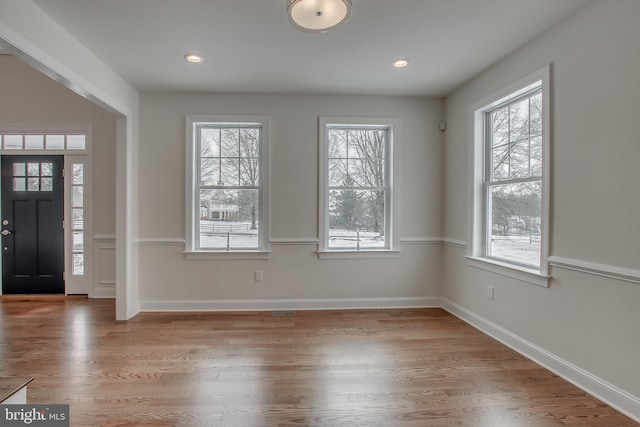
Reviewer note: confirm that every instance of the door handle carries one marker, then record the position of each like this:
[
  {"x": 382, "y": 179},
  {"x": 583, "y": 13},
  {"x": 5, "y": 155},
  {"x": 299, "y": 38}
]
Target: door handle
[{"x": 5, "y": 232}]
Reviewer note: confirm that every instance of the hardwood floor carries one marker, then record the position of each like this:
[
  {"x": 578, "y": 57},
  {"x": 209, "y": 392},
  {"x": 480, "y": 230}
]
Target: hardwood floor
[{"x": 421, "y": 367}]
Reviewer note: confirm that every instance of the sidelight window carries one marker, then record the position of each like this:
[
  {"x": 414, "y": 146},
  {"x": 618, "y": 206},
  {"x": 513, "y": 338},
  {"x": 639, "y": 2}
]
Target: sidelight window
[{"x": 77, "y": 218}]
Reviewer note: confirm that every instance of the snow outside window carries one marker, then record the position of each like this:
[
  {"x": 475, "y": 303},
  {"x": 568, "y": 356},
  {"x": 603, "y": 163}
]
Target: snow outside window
[
  {"x": 228, "y": 186},
  {"x": 510, "y": 215},
  {"x": 357, "y": 186},
  {"x": 513, "y": 183}
]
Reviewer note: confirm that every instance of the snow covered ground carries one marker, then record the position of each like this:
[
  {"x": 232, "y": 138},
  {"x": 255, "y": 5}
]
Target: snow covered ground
[
  {"x": 345, "y": 239},
  {"x": 523, "y": 249},
  {"x": 215, "y": 234}
]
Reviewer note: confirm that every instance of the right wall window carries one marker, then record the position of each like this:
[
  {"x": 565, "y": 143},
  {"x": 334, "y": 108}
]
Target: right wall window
[{"x": 511, "y": 170}]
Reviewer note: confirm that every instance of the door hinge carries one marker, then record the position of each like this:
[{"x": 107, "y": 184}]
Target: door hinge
[
  {"x": 63, "y": 172},
  {"x": 63, "y": 224},
  {"x": 64, "y": 276}
]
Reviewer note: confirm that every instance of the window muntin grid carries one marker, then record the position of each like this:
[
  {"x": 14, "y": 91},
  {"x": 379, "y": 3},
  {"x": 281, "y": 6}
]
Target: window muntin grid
[
  {"x": 229, "y": 189},
  {"x": 359, "y": 192},
  {"x": 513, "y": 179}
]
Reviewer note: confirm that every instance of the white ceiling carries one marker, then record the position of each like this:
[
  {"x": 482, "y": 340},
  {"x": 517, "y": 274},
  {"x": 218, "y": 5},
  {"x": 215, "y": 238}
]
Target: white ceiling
[{"x": 249, "y": 45}]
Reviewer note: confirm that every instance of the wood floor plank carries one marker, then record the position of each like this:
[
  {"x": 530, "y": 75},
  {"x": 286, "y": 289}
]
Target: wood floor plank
[{"x": 405, "y": 367}]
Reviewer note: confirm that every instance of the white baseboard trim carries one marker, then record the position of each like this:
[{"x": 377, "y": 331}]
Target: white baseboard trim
[
  {"x": 290, "y": 304},
  {"x": 617, "y": 398},
  {"x": 104, "y": 290}
]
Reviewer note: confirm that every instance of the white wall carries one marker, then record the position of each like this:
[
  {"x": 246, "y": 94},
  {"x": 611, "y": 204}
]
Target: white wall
[
  {"x": 30, "y": 98},
  {"x": 586, "y": 323},
  {"x": 294, "y": 273}
]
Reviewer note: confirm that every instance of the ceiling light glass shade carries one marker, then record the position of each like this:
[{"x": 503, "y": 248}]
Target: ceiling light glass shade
[
  {"x": 317, "y": 16},
  {"x": 400, "y": 63},
  {"x": 193, "y": 58}
]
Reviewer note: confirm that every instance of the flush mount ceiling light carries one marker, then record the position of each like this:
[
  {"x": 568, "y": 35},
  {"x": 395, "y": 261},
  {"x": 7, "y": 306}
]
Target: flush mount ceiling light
[
  {"x": 318, "y": 16},
  {"x": 400, "y": 63},
  {"x": 193, "y": 58}
]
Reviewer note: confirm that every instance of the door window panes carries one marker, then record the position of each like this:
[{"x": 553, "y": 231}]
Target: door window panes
[
  {"x": 33, "y": 184},
  {"x": 19, "y": 184},
  {"x": 33, "y": 176}
]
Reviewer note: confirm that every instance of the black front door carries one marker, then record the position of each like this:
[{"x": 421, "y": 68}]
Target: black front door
[{"x": 32, "y": 225}]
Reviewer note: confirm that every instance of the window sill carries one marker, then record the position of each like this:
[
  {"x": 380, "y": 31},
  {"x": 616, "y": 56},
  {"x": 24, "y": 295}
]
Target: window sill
[
  {"x": 361, "y": 254},
  {"x": 510, "y": 270},
  {"x": 226, "y": 255}
]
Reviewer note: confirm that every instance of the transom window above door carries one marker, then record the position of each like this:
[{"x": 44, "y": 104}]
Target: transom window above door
[{"x": 50, "y": 142}]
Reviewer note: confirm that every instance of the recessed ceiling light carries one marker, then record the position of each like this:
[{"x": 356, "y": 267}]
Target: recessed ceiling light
[
  {"x": 400, "y": 63},
  {"x": 193, "y": 58}
]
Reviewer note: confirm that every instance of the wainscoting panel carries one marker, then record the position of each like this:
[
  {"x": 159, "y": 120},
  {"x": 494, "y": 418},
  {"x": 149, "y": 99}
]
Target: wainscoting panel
[{"x": 104, "y": 260}]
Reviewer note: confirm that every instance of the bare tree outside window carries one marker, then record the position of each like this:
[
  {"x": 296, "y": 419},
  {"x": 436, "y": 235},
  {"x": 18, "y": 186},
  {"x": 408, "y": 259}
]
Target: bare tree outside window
[
  {"x": 229, "y": 186},
  {"x": 358, "y": 186},
  {"x": 514, "y": 179}
]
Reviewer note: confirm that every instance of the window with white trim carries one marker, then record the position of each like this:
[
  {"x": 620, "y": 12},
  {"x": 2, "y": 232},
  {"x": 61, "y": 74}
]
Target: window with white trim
[
  {"x": 356, "y": 184},
  {"x": 227, "y": 172},
  {"x": 511, "y": 177}
]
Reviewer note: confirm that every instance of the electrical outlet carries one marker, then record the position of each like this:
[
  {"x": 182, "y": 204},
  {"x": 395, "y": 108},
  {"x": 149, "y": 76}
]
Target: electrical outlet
[
  {"x": 490, "y": 292},
  {"x": 258, "y": 276}
]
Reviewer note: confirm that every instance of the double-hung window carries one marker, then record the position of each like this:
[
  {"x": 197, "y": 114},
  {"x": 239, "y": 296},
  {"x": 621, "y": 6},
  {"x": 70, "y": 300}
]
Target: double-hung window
[
  {"x": 356, "y": 185},
  {"x": 227, "y": 181},
  {"x": 511, "y": 178}
]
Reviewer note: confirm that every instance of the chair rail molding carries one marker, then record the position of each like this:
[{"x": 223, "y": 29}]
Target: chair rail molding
[{"x": 604, "y": 270}]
